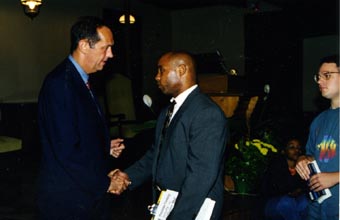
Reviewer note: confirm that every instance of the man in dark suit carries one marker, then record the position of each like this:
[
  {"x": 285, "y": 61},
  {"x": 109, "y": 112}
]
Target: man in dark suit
[
  {"x": 188, "y": 155},
  {"x": 76, "y": 146}
]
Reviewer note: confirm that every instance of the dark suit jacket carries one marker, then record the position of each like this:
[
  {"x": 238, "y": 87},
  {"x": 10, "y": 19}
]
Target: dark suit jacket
[
  {"x": 74, "y": 137},
  {"x": 191, "y": 159}
]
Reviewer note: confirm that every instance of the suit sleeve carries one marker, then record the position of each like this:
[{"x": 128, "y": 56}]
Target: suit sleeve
[
  {"x": 141, "y": 170},
  {"x": 208, "y": 134}
]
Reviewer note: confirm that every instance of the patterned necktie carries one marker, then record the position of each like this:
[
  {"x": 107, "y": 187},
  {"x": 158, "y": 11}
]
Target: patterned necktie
[{"x": 168, "y": 116}]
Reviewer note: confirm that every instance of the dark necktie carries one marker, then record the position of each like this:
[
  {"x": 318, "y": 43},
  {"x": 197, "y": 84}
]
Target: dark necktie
[
  {"x": 168, "y": 116},
  {"x": 165, "y": 126},
  {"x": 93, "y": 98}
]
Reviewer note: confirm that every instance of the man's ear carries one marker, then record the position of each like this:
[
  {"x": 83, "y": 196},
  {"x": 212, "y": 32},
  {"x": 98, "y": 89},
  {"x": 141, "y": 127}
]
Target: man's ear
[
  {"x": 83, "y": 45},
  {"x": 181, "y": 69}
]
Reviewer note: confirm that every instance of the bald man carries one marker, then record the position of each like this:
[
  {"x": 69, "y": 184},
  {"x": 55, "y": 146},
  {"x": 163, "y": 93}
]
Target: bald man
[{"x": 188, "y": 156}]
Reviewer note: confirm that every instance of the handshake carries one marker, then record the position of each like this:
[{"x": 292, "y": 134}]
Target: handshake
[{"x": 119, "y": 182}]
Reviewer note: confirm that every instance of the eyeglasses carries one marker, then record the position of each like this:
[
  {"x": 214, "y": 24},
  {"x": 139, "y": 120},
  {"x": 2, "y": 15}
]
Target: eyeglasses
[{"x": 323, "y": 76}]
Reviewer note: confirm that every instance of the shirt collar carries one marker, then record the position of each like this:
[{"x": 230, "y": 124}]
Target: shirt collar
[
  {"x": 80, "y": 70},
  {"x": 181, "y": 98}
]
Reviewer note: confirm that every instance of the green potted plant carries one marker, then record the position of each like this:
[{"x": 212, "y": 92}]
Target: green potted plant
[{"x": 247, "y": 163}]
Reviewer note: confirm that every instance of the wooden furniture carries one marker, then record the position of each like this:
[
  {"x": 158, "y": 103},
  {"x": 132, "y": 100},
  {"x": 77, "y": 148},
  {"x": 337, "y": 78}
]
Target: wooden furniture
[
  {"x": 120, "y": 108},
  {"x": 19, "y": 120},
  {"x": 225, "y": 90}
]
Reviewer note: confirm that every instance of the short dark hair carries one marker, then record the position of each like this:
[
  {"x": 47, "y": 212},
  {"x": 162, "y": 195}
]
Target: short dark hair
[
  {"x": 330, "y": 59},
  {"x": 189, "y": 55},
  {"x": 85, "y": 28}
]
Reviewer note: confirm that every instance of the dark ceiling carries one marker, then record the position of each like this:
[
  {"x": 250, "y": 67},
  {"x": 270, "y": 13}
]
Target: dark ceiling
[
  {"x": 311, "y": 14},
  {"x": 185, "y": 4},
  {"x": 282, "y": 4}
]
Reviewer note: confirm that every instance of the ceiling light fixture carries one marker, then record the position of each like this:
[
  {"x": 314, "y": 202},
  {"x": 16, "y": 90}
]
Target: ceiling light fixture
[
  {"x": 131, "y": 19},
  {"x": 31, "y": 7},
  {"x": 127, "y": 17}
]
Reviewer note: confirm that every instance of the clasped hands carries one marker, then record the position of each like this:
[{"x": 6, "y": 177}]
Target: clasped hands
[{"x": 119, "y": 182}]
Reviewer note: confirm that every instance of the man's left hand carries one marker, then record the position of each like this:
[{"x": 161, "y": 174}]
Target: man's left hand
[{"x": 117, "y": 147}]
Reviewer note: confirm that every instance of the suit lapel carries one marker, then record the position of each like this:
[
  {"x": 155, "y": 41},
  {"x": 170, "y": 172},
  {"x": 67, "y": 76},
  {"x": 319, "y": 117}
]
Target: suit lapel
[
  {"x": 84, "y": 93},
  {"x": 181, "y": 110},
  {"x": 83, "y": 90},
  {"x": 165, "y": 142}
]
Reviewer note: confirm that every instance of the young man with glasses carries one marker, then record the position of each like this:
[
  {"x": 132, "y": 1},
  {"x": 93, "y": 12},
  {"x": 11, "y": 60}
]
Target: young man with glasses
[{"x": 323, "y": 144}]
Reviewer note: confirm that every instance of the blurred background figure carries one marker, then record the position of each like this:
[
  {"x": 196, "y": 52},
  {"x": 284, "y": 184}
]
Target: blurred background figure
[{"x": 284, "y": 190}]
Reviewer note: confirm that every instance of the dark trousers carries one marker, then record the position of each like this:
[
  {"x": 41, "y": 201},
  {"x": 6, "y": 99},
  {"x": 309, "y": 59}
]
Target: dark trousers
[
  {"x": 74, "y": 205},
  {"x": 286, "y": 207}
]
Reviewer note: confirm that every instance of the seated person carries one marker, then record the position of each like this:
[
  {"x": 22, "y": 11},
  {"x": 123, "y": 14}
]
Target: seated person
[{"x": 285, "y": 191}]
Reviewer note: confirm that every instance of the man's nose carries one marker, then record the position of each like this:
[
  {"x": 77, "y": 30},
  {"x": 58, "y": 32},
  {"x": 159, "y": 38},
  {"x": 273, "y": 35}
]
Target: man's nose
[
  {"x": 157, "y": 78},
  {"x": 109, "y": 53}
]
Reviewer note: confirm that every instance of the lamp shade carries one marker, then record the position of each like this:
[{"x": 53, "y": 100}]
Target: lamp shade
[
  {"x": 131, "y": 18},
  {"x": 31, "y": 7}
]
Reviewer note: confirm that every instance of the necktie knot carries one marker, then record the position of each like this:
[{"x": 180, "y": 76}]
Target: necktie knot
[
  {"x": 88, "y": 85},
  {"x": 169, "y": 115},
  {"x": 171, "y": 109}
]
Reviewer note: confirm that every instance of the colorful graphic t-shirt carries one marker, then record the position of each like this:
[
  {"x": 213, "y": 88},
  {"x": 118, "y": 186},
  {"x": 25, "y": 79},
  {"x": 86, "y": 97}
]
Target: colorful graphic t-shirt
[{"x": 323, "y": 144}]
